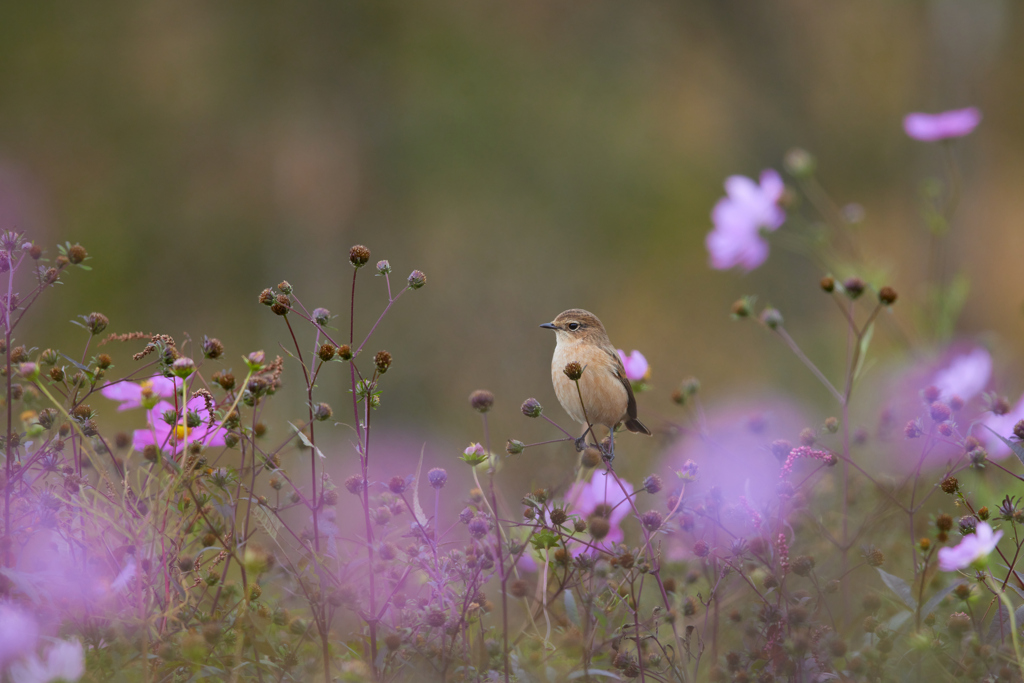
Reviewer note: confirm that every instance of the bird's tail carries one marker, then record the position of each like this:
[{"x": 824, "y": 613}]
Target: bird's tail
[{"x": 637, "y": 427}]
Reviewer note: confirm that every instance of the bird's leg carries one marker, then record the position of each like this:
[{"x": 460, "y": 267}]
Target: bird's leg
[
  {"x": 609, "y": 453},
  {"x": 581, "y": 443}
]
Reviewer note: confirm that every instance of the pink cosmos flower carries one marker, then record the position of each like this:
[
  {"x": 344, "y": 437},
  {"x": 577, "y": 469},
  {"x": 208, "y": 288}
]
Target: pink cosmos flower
[
  {"x": 171, "y": 438},
  {"x": 966, "y": 376},
  {"x": 635, "y": 364},
  {"x": 65, "y": 661},
  {"x": 136, "y": 395},
  {"x": 739, "y": 218},
  {"x": 948, "y": 124},
  {"x": 584, "y": 499},
  {"x": 1003, "y": 426},
  {"x": 18, "y": 633},
  {"x": 972, "y": 548}
]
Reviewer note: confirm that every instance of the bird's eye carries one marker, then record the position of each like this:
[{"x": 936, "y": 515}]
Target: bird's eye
[{"x": 574, "y": 326}]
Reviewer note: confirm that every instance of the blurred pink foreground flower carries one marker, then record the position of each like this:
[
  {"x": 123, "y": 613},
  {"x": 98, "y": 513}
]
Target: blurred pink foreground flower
[
  {"x": 972, "y": 548},
  {"x": 135, "y": 395},
  {"x": 1003, "y": 426},
  {"x": 165, "y": 436},
  {"x": 585, "y": 498},
  {"x": 948, "y": 124},
  {"x": 635, "y": 364},
  {"x": 18, "y": 633},
  {"x": 65, "y": 661},
  {"x": 966, "y": 376},
  {"x": 740, "y": 216}
]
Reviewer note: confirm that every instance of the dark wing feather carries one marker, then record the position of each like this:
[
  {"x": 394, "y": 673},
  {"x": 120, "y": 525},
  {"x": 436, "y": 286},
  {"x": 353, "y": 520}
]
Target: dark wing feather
[{"x": 632, "y": 424}]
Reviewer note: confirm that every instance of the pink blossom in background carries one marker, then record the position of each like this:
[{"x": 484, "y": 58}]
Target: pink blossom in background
[
  {"x": 132, "y": 394},
  {"x": 584, "y": 497},
  {"x": 18, "y": 633},
  {"x": 64, "y": 661},
  {"x": 171, "y": 438},
  {"x": 739, "y": 218},
  {"x": 1001, "y": 425},
  {"x": 966, "y": 376},
  {"x": 972, "y": 548},
  {"x": 635, "y": 365},
  {"x": 948, "y": 124}
]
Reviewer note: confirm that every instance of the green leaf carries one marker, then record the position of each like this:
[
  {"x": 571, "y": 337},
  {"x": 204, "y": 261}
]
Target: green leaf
[
  {"x": 544, "y": 539},
  {"x": 1015, "y": 446},
  {"x": 571, "y": 610},
  {"x": 930, "y": 606},
  {"x": 269, "y": 522},
  {"x": 865, "y": 342},
  {"x": 306, "y": 442},
  {"x": 899, "y": 587}
]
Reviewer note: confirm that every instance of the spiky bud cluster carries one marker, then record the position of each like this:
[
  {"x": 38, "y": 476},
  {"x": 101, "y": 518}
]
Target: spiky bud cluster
[
  {"x": 701, "y": 548},
  {"x": 358, "y": 256},
  {"x": 267, "y": 297},
  {"x": 803, "y": 565},
  {"x": 652, "y": 520},
  {"x": 282, "y": 304},
  {"x": 887, "y": 296},
  {"x": 383, "y": 361},
  {"x": 321, "y": 316},
  {"x": 573, "y": 370},
  {"x": 481, "y": 400},
  {"x": 322, "y": 411},
  {"x": 397, "y": 485},
  {"x": 652, "y": 484},
  {"x": 383, "y": 267},
  {"x": 345, "y": 352},
  {"x": 950, "y": 485}
]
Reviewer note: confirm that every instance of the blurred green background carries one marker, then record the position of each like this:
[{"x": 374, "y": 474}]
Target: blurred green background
[{"x": 529, "y": 157}]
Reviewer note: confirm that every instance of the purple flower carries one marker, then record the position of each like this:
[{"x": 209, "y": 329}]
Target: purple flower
[
  {"x": 739, "y": 218},
  {"x": 165, "y": 436},
  {"x": 966, "y": 376},
  {"x": 635, "y": 364},
  {"x": 948, "y": 124},
  {"x": 972, "y": 549},
  {"x": 143, "y": 394},
  {"x": 1003, "y": 426},
  {"x": 601, "y": 495},
  {"x": 65, "y": 661},
  {"x": 18, "y": 633}
]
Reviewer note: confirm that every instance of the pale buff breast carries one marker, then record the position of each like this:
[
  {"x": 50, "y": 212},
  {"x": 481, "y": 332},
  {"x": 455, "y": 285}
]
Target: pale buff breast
[{"x": 603, "y": 394}]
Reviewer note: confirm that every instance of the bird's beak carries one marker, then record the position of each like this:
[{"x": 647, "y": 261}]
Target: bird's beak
[{"x": 550, "y": 326}]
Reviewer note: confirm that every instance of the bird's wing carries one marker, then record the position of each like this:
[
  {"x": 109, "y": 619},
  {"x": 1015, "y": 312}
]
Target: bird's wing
[{"x": 619, "y": 371}]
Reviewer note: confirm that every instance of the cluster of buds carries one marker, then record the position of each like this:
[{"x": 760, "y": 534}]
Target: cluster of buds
[{"x": 806, "y": 452}]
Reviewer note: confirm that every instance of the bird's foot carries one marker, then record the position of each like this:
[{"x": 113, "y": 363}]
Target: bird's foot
[
  {"x": 607, "y": 450},
  {"x": 581, "y": 443}
]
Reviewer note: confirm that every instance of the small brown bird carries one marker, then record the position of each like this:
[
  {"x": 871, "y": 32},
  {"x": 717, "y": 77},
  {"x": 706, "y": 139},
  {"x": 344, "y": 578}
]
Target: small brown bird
[{"x": 607, "y": 394}]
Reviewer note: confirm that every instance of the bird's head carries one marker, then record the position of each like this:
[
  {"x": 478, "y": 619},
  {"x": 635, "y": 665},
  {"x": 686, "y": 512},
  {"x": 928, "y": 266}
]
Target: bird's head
[{"x": 576, "y": 325}]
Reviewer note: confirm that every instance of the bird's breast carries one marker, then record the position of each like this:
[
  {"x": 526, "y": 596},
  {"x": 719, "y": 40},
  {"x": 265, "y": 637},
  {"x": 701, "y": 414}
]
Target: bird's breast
[{"x": 603, "y": 395}]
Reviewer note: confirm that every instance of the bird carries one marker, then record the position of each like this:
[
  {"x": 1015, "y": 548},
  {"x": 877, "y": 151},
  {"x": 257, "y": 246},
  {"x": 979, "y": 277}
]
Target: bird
[{"x": 607, "y": 396}]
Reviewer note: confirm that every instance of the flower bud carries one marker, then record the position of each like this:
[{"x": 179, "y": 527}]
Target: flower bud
[
  {"x": 828, "y": 284},
  {"x": 96, "y": 322},
  {"x": 345, "y": 352},
  {"x": 77, "y": 254},
  {"x": 282, "y": 304},
  {"x": 853, "y": 287},
  {"x": 416, "y": 279},
  {"x": 771, "y": 318},
  {"x": 514, "y": 447},
  {"x": 183, "y": 367},
  {"x": 950, "y": 485},
  {"x": 701, "y": 548},
  {"x": 831, "y": 425},
  {"x": 799, "y": 163},
  {"x": 358, "y": 256},
  {"x": 321, "y": 412},
  {"x": 652, "y": 520},
  {"x": 29, "y": 371},
  {"x": 887, "y": 296},
  {"x": 591, "y": 457},
  {"x": 652, "y": 484},
  {"x": 912, "y": 430},
  {"x": 326, "y": 352},
  {"x": 481, "y": 400},
  {"x": 383, "y": 361},
  {"x": 531, "y": 408},
  {"x": 741, "y": 308},
  {"x": 321, "y": 315},
  {"x": 267, "y": 297},
  {"x": 939, "y": 412},
  {"x": 383, "y": 267},
  {"x": 573, "y": 370},
  {"x": 212, "y": 348},
  {"x": 599, "y": 527}
]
